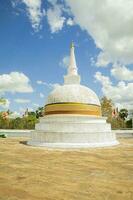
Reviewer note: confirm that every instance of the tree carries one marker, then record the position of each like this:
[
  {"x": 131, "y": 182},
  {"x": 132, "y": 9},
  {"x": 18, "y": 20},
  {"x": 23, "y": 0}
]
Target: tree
[
  {"x": 106, "y": 108},
  {"x": 129, "y": 123},
  {"x": 118, "y": 123},
  {"x": 40, "y": 112},
  {"x": 30, "y": 121},
  {"x": 2, "y": 101},
  {"x": 123, "y": 113},
  {"x": 18, "y": 123}
]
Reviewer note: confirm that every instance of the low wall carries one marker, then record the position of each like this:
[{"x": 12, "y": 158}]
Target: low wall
[
  {"x": 16, "y": 133},
  {"x": 123, "y": 133},
  {"x": 27, "y": 133}
]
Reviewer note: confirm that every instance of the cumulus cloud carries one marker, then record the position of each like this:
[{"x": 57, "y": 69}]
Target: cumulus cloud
[
  {"x": 41, "y": 95},
  {"x": 49, "y": 85},
  {"x": 103, "y": 59},
  {"x": 70, "y": 22},
  {"x": 55, "y": 18},
  {"x": 35, "y": 105},
  {"x": 65, "y": 61},
  {"x": 104, "y": 80},
  {"x": 121, "y": 94},
  {"x": 121, "y": 72},
  {"x": 33, "y": 11},
  {"x": 109, "y": 22},
  {"x": 15, "y": 82},
  {"x": 39, "y": 82},
  {"x": 22, "y": 101}
]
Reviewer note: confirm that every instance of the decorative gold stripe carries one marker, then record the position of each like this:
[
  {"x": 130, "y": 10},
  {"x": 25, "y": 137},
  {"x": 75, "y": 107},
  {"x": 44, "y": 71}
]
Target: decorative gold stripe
[
  {"x": 70, "y": 103},
  {"x": 72, "y": 108},
  {"x": 74, "y": 112}
]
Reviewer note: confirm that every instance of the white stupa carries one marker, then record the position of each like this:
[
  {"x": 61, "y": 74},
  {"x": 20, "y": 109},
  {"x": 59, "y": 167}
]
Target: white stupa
[{"x": 72, "y": 116}]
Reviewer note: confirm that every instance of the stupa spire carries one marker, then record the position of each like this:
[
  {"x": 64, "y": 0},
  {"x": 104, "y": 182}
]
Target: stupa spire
[
  {"x": 72, "y": 69},
  {"x": 72, "y": 76}
]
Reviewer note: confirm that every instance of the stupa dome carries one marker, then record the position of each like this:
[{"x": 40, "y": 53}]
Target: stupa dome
[
  {"x": 72, "y": 97},
  {"x": 73, "y": 93}
]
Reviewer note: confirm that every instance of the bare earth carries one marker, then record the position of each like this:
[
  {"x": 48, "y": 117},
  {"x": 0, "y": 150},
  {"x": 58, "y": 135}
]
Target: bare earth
[{"x": 31, "y": 173}]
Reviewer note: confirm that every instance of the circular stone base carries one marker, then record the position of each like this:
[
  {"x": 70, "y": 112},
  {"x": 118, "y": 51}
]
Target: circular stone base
[
  {"x": 72, "y": 131},
  {"x": 72, "y": 145}
]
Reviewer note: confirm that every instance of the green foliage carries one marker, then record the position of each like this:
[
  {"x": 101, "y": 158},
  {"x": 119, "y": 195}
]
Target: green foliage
[
  {"x": 40, "y": 112},
  {"x": 2, "y": 135},
  {"x": 30, "y": 121},
  {"x": 106, "y": 107},
  {"x": 4, "y": 123},
  {"x": 2, "y": 101},
  {"x": 129, "y": 123},
  {"x": 117, "y": 122},
  {"x": 123, "y": 113},
  {"x": 26, "y": 122},
  {"x": 18, "y": 123}
]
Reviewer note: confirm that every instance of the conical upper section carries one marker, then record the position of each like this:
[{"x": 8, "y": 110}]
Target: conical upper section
[
  {"x": 72, "y": 76},
  {"x": 72, "y": 69}
]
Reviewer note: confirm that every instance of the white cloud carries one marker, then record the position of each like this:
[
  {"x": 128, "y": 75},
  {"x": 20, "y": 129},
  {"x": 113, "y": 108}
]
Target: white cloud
[
  {"x": 121, "y": 94},
  {"x": 121, "y": 72},
  {"x": 104, "y": 80},
  {"x": 92, "y": 61},
  {"x": 70, "y": 22},
  {"x": 55, "y": 18},
  {"x": 53, "y": 2},
  {"x": 103, "y": 60},
  {"x": 41, "y": 95},
  {"x": 34, "y": 12},
  {"x": 15, "y": 82},
  {"x": 49, "y": 85},
  {"x": 65, "y": 61},
  {"x": 35, "y": 104},
  {"x": 22, "y": 110},
  {"x": 110, "y": 23},
  {"x": 40, "y": 82},
  {"x": 30, "y": 109},
  {"x": 22, "y": 101},
  {"x": 14, "y": 3}
]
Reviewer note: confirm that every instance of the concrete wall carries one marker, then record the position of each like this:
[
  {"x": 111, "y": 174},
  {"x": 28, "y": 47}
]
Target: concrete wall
[
  {"x": 123, "y": 133},
  {"x": 27, "y": 133},
  {"x": 16, "y": 133}
]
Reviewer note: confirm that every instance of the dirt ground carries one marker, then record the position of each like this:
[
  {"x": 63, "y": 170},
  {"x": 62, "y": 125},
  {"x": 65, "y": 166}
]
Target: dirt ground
[{"x": 30, "y": 173}]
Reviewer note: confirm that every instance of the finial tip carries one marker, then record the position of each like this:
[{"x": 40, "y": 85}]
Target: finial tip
[{"x": 72, "y": 44}]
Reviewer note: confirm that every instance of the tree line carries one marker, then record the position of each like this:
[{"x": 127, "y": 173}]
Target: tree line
[
  {"x": 27, "y": 121},
  {"x": 117, "y": 119}
]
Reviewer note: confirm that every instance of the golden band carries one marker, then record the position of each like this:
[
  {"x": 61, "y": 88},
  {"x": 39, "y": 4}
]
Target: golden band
[{"x": 72, "y": 108}]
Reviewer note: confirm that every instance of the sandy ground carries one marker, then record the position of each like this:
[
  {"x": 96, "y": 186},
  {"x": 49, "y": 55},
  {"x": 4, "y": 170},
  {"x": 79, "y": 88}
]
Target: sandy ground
[{"x": 31, "y": 173}]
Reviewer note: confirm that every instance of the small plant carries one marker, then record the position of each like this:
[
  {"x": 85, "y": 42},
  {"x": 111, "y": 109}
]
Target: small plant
[{"x": 2, "y": 135}]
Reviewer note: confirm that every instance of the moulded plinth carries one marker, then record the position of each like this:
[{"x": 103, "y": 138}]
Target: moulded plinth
[{"x": 73, "y": 131}]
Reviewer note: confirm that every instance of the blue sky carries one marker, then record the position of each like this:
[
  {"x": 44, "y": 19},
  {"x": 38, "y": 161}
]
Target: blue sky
[{"x": 35, "y": 36}]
